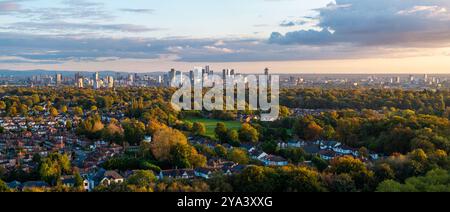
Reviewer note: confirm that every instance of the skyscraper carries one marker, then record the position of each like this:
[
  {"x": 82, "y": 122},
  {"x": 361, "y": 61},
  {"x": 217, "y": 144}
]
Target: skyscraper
[
  {"x": 191, "y": 76},
  {"x": 130, "y": 79},
  {"x": 96, "y": 80},
  {"x": 58, "y": 79},
  {"x": 80, "y": 82},
  {"x": 96, "y": 76},
  {"x": 160, "y": 79},
  {"x": 110, "y": 80},
  {"x": 225, "y": 73},
  {"x": 411, "y": 78},
  {"x": 172, "y": 74}
]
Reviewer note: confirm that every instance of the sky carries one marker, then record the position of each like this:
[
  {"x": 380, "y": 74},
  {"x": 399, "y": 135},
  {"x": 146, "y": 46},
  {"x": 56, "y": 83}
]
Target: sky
[{"x": 288, "y": 36}]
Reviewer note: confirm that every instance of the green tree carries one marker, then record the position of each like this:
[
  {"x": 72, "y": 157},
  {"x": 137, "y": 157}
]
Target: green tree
[
  {"x": 142, "y": 178},
  {"x": 238, "y": 156},
  {"x": 219, "y": 183},
  {"x": 383, "y": 171},
  {"x": 319, "y": 163},
  {"x": 134, "y": 131},
  {"x": 53, "y": 166},
  {"x": 69, "y": 125},
  {"x": 355, "y": 168},
  {"x": 199, "y": 129},
  {"x": 435, "y": 181},
  {"x": 342, "y": 183},
  {"x": 180, "y": 154},
  {"x": 221, "y": 132},
  {"x": 233, "y": 138},
  {"x": 78, "y": 180},
  {"x": 3, "y": 187},
  {"x": 186, "y": 156},
  {"x": 221, "y": 151},
  {"x": 248, "y": 133},
  {"x": 301, "y": 179}
]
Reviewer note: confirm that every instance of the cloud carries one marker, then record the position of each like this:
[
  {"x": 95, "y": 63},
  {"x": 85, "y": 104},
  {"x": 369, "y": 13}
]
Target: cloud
[
  {"x": 347, "y": 29},
  {"x": 61, "y": 27},
  {"x": 148, "y": 11},
  {"x": 219, "y": 50},
  {"x": 47, "y": 48},
  {"x": 288, "y": 24},
  {"x": 81, "y": 3},
  {"x": 418, "y": 23},
  {"x": 70, "y": 9}
]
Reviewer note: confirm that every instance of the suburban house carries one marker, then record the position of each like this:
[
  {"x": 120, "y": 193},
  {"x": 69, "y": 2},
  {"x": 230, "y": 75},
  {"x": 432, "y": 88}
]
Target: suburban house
[
  {"x": 268, "y": 160},
  {"x": 34, "y": 184},
  {"x": 273, "y": 160},
  {"x": 68, "y": 181},
  {"x": 205, "y": 173},
  {"x": 104, "y": 177},
  {"x": 177, "y": 174},
  {"x": 256, "y": 154},
  {"x": 147, "y": 139},
  {"x": 327, "y": 154},
  {"x": 14, "y": 185}
]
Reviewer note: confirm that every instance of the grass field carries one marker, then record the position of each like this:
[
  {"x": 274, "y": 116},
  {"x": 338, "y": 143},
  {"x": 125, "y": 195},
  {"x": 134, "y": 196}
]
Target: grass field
[{"x": 212, "y": 123}]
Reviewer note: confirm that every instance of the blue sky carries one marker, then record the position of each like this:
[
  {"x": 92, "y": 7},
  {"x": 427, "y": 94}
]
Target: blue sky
[
  {"x": 287, "y": 35},
  {"x": 172, "y": 18}
]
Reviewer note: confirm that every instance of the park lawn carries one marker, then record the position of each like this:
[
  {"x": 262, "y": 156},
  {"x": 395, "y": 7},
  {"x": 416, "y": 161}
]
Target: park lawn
[{"x": 211, "y": 124}]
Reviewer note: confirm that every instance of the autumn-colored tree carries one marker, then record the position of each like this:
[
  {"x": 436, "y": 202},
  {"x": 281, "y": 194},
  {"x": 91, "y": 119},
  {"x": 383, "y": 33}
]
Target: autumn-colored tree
[
  {"x": 238, "y": 156},
  {"x": 3, "y": 187},
  {"x": 248, "y": 133},
  {"x": 78, "y": 111},
  {"x": 92, "y": 127},
  {"x": 163, "y": 141},
  {"x": 354, "y": 167},
  {"x": 142, "y": 178},
  {"x": 198, "y": 129},
  {"x": 63, "y": 109},
  {"x": 186, "y": 156},
  {"x": 153, "y": 126},
  {"x": 53, "y": 166},
  {"x": 2, "y": 105},
  {"x": 113, "y": 133},
  {"x": 313, "y": 131},
  {"x": 53, "y": 112}
]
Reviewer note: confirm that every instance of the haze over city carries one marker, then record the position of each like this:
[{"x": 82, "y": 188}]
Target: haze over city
[{"x": 288, "y": 36}]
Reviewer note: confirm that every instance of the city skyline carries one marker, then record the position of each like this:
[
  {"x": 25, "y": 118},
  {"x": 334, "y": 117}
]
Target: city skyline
[{"x": 288, "y": 36}]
